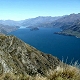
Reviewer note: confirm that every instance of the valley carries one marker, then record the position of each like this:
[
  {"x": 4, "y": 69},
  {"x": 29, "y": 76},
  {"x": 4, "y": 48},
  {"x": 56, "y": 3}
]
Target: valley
[{"x": 70, "y": 24}]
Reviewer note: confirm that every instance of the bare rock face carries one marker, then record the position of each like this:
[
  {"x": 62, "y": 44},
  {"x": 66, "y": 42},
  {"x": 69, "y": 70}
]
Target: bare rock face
[{"x": 19, "y": 57}]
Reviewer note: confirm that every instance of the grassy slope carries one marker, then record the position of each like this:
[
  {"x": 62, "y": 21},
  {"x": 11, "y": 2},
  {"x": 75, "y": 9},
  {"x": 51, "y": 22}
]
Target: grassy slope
[
  {"x": 64, "y": 72},
  {"x": 67, "y": 72}
]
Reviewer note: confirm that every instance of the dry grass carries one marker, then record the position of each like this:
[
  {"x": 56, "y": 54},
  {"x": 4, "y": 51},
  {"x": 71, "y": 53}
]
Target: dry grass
[
  {"x": 64, "y": 73},
  {"x": 11, "y": 76},
  {"x": 67, "y": 72}
]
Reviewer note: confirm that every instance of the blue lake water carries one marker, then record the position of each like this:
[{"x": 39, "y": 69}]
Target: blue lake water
[{"x": 45, "y": 40}]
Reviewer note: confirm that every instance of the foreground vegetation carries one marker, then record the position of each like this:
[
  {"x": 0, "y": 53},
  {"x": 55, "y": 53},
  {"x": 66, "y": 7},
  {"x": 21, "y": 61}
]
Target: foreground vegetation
[
  {"x": 67, "y": 72},
  {"x": 20, "y": 61}
]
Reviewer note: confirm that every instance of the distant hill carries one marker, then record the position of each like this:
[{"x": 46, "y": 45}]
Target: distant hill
[
  {"x": 66, "y": 21},
  {"x": 32, "y": 22},
  {"x": 47, "y": 21},
  {"x": 10, "y": 22},
  {"x": 39, "y": 21},
  {"x": 6, "y": 28},
  {"x": 72, "y": 30},
  {"x": 69, "y": 24},
  {"x": 63, "y": 21}
]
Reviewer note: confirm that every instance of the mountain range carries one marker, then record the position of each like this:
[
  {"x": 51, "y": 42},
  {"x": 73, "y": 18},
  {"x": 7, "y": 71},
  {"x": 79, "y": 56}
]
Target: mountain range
[
  {"x": 38, "y": 21},
  {"x": 20, "y": 61},
  {"x": 66, "y": 23},
  {"x": 70, "y": 25},
  {"x": 7, "y": 28},
  {"x": 71, "y": 30}
]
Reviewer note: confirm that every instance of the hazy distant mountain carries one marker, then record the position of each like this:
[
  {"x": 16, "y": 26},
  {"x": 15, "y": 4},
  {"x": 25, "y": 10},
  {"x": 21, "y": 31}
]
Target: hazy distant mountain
[
  {"x": 66, "y": 21},
  {"x": 62, "y": 21},
  {"x": 6, "y": 28},
  {"x": 9, "y": 22},
  {"x": 39, "y": 21},
  {"x": 10, "y": 25},
  {"x": 69, "y": 24},
  {"x": 72, "y": 30},
  {"x": 30, "y": 22}
]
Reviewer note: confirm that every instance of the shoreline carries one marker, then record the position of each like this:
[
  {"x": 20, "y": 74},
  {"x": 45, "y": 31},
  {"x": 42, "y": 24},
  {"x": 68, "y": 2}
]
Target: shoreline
[{"x": 65, "y": 34}]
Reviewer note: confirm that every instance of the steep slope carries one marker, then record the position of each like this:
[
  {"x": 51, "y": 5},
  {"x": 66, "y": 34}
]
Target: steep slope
[
  {"x": 20, "y": 61},
  {"x": 20, "y": 58}
]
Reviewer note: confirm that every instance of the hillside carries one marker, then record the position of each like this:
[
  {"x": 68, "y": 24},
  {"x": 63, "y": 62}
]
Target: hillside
[
  {"x": 69, "y": 24},
  {"x": 6, "y": 28},
  {"x": 20, "y": 61},
  {"x": 19, "y": 57},
  {"x": 66, "y": 21},
  {"x": 10, "y": 22},
  {"x": 73, "y": 30}
]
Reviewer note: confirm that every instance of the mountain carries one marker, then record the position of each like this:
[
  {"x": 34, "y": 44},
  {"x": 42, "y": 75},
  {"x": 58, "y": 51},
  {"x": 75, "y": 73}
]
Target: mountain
[
  {"x": 72, "y": 30},
  {"x": 69, "y": 24},
  {"x": 39, "y": 21},
  {"x": 32, "y": 22},
  {"x": 63, "y": 22},
  {"x": 19, "y": 57},
  {"x": 47, "y": 21},
  {"x": 66, "y": 21},
  {"x": 10, "y": 22},
  {"x": 6, "y": 28}
]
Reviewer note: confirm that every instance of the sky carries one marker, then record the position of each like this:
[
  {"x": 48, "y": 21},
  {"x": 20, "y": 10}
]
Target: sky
[{"x": 24, "y": 9}]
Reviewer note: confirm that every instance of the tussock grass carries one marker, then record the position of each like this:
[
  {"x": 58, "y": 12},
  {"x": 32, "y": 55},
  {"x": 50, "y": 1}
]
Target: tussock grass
[
  {"x": 11, "y": 76},
  {"x": 66, "y": 72},
  {"x": 39, "y": 77}
]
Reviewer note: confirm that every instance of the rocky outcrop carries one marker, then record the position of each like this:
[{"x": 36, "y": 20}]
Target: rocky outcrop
[{"x": 19, "y": 57}]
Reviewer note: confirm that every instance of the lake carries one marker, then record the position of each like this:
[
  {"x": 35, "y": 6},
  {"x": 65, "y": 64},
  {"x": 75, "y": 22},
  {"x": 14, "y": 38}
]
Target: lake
[{"x": 44, "y": 39}]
